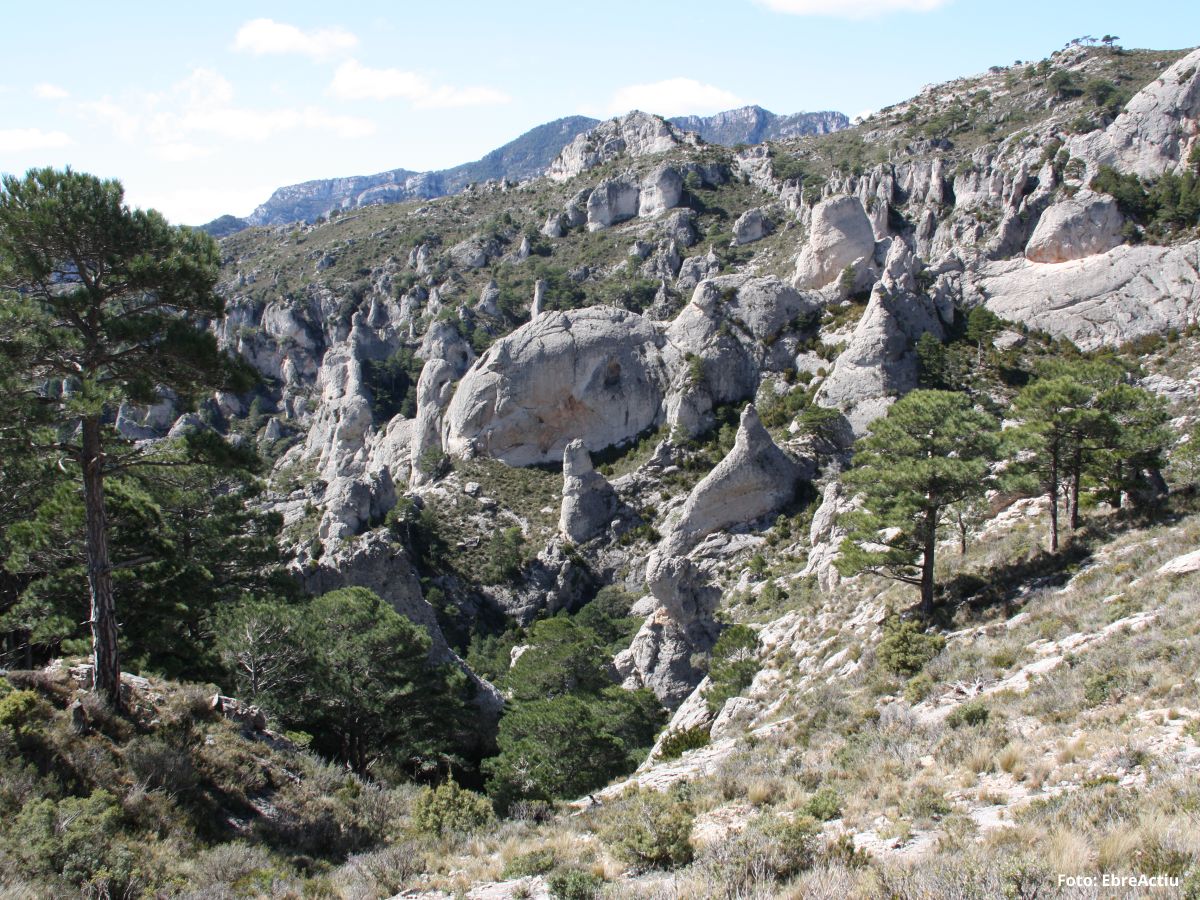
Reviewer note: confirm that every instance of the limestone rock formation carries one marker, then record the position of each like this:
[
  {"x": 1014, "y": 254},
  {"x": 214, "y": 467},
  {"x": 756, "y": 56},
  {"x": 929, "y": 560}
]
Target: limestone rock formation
[
  {"x": 880, "y": 363},
  {"x": 1157, "y": 128},
  {"x": 613, "y": 200},
  {"x": 589, "y": 501},
  {"x": 637, "y": 134},
  {"x": 752, "y": 225},
  {"x": 1109, "y": 299},
  {"x": 696, "y": 269},
  {"x": 595, "y": 374},
  {"x": 755, "y": 478},
  {"x": 434, "y": 388},
  {"x": 840, "y": 235},
  {"x": 1075, "y": 227},
  {"x": 661, "y": 189}
]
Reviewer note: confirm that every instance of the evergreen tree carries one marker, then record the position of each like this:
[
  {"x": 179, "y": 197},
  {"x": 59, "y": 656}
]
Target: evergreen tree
[
  {"x": 931, "y": 451},
  {"x": 101, "y": 304}
]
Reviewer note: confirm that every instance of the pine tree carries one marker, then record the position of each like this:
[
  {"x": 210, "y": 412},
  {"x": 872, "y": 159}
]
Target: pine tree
[
  {"x": 101, "y": 304},
  {"x": 931, "y": 451}
]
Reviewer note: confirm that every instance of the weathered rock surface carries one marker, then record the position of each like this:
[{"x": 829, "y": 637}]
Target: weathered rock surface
[
  {"x": 696, "y": 269},
  {"x": 637, "y": 134},
  {"x": 613, "y": 200},
  {"x": 589, "y": 501},
  {"x": 1109, "y": 299},
  {"x": 880, "y": 363},
  {"x": 1075, "y": 227},
  {"x": 1157, "y": 128},
  {"x": 752, "y": 225},
  {"x": 661, "y": 190},
  {"x": 839, "y": 235},
  {"x": 755, "y": 478},
  {"x": 434, "y": 389},
  {"x": 595, "y": 374}
]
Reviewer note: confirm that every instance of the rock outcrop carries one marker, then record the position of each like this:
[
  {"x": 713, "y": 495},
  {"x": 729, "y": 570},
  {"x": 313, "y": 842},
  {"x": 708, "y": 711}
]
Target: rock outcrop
[
  {"x": 1157, "y": 128},
  {"x": 880, "y": 363},
  {"x": 613, "y": 200},
  {"x": 752, "y": 225},
  {"x": 839, "y": 235},
  {"x": 661, "y": 189},
  {"x": 1075, "y": 227},
  {"x": 589, "y": 501},
  {"x": 636, "y": 134},
  {"x": 755, "y": 478},
  {"x": 434, "y": 389},
  {"x": 596, "y": 374},
  {"x": 1109, "y": 299}
]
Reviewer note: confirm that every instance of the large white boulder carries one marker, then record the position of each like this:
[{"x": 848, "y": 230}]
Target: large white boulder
[
  {"x": 596, "y": 374},
  {"x": 613, "y": 200},
  {"x": 1075, "y": 227},
  {"x": 840, "y": 235}
]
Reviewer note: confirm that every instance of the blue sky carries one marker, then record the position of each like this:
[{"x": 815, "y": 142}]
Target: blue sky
[{"x": 202, "y": 109}]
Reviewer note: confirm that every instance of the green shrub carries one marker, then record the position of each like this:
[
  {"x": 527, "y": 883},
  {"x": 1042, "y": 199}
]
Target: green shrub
[
  {"x": 972, "y": 713},
  {"x": 769, "y": 847},
  {"x": 1100, "y": 687},
  {"x": 681, "y": 741},
  {"x": 733, "y": 665},
  {"x": 535, "y": 862},
  {"x": 23, "y": 713},
  {"x": 575, "y": 884},
  {"x": 75, "y": 838},
  {"x": 918, "y": 687},
  {"x": 649, "y": 830},
  {"x": 906, "y": 648},
  {"x": 824, "y": 805},
  {"x": 448, "y": 809}
]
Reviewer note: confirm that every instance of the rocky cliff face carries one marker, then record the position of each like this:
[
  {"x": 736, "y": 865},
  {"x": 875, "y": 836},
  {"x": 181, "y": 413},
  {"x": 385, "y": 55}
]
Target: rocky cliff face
[{"x": 754, "y": 125}]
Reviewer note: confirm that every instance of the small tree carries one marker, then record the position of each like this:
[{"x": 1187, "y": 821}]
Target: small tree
[
  {"x": 930, "y": 452},
  {"x": 101, "y": 304}
]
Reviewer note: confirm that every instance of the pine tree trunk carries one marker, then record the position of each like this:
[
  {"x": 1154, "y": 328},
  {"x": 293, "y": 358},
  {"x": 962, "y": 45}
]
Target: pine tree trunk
[
  {"x": 105, "y": 657},
  {"x": 1076, "y": 476},
  {"x": 927, "y": 563}
]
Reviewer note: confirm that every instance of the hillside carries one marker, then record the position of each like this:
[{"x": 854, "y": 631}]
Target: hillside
[{"x": 812, "y": 513}]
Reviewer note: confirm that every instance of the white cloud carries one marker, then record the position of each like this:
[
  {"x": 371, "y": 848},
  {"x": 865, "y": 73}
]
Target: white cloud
[
  {"x": 674, "y": 97},
  {"x": 47, "y": 91},
  {"x": 22, "y": 140},
  {"x": 197, "y": 205},
  {"x": 266, "y": 36},
  {"x": 174, "y": 123},
  {"x": 850, "y": 9},
  {"x": 354, "y": 81}
]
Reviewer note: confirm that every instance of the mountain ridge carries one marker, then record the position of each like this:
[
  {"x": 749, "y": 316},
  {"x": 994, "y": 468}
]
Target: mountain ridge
[{"x": 527, "y": 156}]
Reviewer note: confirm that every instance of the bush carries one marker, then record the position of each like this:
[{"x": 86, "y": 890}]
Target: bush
[
  {"x": 919, "y": 687},
  {"x": 448, "y": 809},
  {"x": 733, "y": 665},
  {"x": 160, "y": 766},
  {"x": 649, "y": 830},
  {"x": 973, "y": 713},
  {"x": 23, "y": 713},
  {"x": 535, "y": 862},
  {"x": 906, "y": 648},
  {"x": 824, "y": 805},
  {"x": 768, "y": 850},
  {"x": 575, "y": 884},
  {"x": 74, "y": 838},
  {"x": 680, "y": 742}
]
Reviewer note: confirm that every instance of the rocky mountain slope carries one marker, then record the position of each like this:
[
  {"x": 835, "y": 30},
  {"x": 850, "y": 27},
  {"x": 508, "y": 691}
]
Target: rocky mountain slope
[
  {"x": 755, "y": 125},
  {"x": 526, "y": 157},
  {"x": 645, "y": 371}
]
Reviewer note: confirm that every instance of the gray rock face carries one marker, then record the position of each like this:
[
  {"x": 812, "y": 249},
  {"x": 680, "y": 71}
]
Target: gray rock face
[
  {"x": 613, "y": 200},
  {"x": 637, "y": 134},
  {"x": 434, "y": 388},
  {"x": 661, "y": 189},
  {"x": 696, "y": 269},
  {"x": 840, "y": 235},
  {"x": 474, "y": 252},
  {"x": 1109, "y": 299},
  {"x": 880, "y": 363},
  {"x": 755, "y": 478},
  {"x": 594, "y": 374},
  {"x": 659, "y": 658},
  {"x": 752, "y": 225},
  {"x": 753, "y": 125},
  {"x": 1078, "y": 226},
  {"x": 1156, "y": 129},
  {"x": 589, "y": 501}
]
